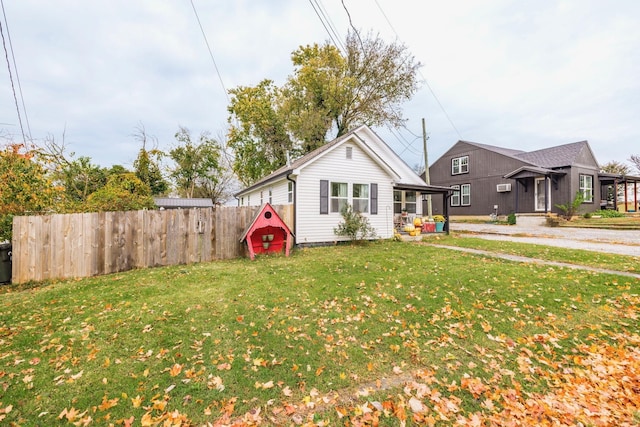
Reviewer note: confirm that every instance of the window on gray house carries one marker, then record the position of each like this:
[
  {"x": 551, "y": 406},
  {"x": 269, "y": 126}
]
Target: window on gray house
[
  {"x": 465, "y": 194},
  {"x": 586, "y": 187},
  {"x": 455, "y": 196},
  {"x": 459, "y": 165}
]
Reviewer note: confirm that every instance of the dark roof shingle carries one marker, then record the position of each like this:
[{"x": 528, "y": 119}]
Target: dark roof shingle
[{"x": 554, "y": 157}]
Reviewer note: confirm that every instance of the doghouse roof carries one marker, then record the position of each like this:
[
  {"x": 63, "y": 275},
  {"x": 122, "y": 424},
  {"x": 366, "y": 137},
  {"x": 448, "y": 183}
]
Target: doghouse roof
[{"x": 265, "y": 217}]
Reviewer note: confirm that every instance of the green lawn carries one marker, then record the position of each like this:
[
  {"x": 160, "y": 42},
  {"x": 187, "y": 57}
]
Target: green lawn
[
  {"x": 386, "y": 331},
  {"x": 602, "y": 260}
]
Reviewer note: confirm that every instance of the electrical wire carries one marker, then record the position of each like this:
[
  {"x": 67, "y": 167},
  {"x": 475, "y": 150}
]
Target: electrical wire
[
  {"x": 331, "y": 24},
  {"x": 338, "y": 43},
  {"x": 403, "y": 141},
  {"x": 15, "y": 67},
  {"x": 206, "y": 41},
  {"x": 423, "y": 77},
  {"x": 13, "y": 88}
]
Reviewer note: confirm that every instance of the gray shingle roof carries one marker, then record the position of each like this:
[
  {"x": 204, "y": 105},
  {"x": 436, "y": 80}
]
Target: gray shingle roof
[
  {"x": 554, "y": 157},
  {"x": 500, "y": 150},
  {"x": 178, "y": 202}
]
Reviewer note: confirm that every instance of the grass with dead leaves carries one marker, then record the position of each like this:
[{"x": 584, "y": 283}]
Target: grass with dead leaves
[
  {"x": 388, "y": 333},
  {"x": 602, "y": 260}
]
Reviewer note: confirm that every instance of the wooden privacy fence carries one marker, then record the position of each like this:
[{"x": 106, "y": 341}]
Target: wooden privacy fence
[{"x": 89, "y": 244}]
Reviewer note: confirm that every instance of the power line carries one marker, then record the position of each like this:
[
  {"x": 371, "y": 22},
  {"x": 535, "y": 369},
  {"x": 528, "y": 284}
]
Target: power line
[
  {"x": 330, "y": 23},
  {"x": 423, "y": 77},
  {"x": 404, "y": 142},
  {"x": 322, "y": 17},
  {"x": 13, "y": 88},
  {"x": 15, "y": 67},
  {"x": 204, "y": 35}
]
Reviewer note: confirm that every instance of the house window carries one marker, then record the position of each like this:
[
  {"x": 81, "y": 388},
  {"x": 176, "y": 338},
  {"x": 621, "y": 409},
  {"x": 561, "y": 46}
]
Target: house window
[
  {"x": 339, "y": 196},
  {"x": 404, "y": 200},
  {"x": 349, "y": 152},
  {"x": 261, "y": 197},
  {"x": 397, "y": 201},
  {"x": 270, "y": 196},
  {"x": 241, "y": 201},
  {"x": 465, "y": 194},
  {"x": 455, "y": 195},
  {"x": 360, "y": 197},
  {"x": 410, "y": 201},
  {"x": 460, "y": 165},
  {"x": 290, "y": 192},
  {"x": 586, "y": 187}
]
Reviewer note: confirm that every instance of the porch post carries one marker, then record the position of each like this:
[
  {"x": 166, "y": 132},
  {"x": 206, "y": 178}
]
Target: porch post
[
  {"x": 445, "y": 210},
  {"x": 546, "y": 195},
  {"x": 517, "y": 192}
]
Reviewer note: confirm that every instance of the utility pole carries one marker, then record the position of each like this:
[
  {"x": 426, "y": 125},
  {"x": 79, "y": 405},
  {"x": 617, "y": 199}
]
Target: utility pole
[{"x": 426, "y": 167}]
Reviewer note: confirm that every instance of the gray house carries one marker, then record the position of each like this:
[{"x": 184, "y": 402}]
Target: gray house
[{"x": 490, "y": 179}]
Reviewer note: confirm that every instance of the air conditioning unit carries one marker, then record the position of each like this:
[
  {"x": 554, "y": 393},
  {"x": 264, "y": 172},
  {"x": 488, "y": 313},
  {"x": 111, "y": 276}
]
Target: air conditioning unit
[{"x": 503, "y": 188}]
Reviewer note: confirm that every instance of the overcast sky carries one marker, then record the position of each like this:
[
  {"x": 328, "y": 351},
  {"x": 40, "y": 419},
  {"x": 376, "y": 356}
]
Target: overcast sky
[{"x": 516, "y": 74}]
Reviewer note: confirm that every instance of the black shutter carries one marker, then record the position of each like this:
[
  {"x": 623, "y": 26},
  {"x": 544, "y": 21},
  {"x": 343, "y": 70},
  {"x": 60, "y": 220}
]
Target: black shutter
[
  {"x": 324, "y": 197},
  {"x": 374, "y": 199}
]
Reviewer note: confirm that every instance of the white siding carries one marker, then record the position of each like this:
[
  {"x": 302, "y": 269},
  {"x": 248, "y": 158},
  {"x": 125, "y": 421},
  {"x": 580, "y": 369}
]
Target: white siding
[
  {"x": 279, "y": 194},
  {"x": 407, "y": 175},
  {"x": 311, "y": 227}
]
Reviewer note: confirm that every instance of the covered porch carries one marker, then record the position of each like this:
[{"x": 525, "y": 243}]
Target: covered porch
[
  {"x": 421, "y": 194},
  {"x": 541, "y": 179},
  {"x": 619, "y": 192}
]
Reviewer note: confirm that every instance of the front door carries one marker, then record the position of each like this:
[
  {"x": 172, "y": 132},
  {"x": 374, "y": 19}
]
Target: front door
[{"x": 543, "y": 195}]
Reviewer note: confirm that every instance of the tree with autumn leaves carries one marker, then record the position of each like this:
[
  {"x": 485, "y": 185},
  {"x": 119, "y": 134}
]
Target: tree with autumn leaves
[
  {"x": 330, "y": 93},
  {"x": 25, "y": 186}
]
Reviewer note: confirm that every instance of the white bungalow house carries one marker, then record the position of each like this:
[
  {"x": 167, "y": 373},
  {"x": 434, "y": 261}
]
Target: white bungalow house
[{"x": 359, "y": 169}]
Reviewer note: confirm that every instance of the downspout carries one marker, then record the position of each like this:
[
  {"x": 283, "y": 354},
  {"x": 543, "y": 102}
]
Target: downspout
[{"x": 295, "y": 214}]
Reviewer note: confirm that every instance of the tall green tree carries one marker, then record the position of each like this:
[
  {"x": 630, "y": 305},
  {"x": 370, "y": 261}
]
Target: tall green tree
[
  {"x": 257, "y": 135},
  {"x": 147, "y": 165},
  {"x": 366, "y": 85},
  {"x": 329, "y": 94},
  {"x": 196, "y": 163}
]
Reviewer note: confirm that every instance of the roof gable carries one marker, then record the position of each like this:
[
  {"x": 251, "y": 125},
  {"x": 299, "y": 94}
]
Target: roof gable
[
  {"x": 264, "y": 217},
  {"x": 367, "y": 140},
  {"x": 558, "y": 156},
  {"x": 462, "y": 147}
]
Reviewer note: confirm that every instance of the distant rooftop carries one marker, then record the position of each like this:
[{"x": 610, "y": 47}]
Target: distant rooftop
[{"x": 182, "y": 203}]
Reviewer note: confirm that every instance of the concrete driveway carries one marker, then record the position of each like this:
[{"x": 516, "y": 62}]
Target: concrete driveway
[{"x": 534, "y": 230}]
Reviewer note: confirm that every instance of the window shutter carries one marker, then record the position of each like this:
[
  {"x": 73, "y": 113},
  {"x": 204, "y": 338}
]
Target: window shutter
[
  {"x": 324, "y": 197},
  {"x": 374, "y": 199}
]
